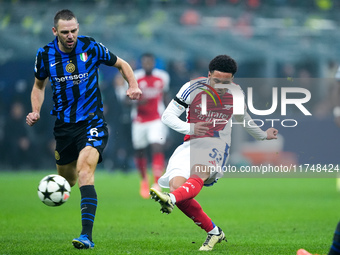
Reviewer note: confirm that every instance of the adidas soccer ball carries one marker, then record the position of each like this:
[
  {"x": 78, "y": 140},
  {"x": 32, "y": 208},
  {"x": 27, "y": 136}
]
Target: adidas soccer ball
[{"x": 54, "y": 190}]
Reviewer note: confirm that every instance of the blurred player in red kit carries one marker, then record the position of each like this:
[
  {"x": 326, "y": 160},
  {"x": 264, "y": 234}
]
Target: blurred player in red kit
[{"x": 147, "y": 127}]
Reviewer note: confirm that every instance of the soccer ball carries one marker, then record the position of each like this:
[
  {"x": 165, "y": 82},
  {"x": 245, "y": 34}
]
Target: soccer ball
[{"x": 54, "y": 190}]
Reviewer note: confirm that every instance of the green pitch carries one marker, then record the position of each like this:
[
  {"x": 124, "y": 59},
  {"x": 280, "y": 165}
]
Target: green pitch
[{"x": 259, "y": 216}]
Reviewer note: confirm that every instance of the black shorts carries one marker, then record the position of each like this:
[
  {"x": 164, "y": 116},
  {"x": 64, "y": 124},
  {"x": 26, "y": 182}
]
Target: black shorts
[{"x": 71, "y": 138}]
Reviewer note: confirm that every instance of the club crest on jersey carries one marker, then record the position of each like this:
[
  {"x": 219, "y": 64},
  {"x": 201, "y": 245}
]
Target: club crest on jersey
[
  {"x": 70, "y": 68},
  {"x": 227, "y": 106},
  {"x": 56, "y": 155},
  {"x": 83, "y": 56}
]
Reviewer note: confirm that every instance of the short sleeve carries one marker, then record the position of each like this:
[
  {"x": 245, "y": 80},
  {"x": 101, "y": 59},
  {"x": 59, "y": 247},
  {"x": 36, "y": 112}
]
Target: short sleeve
[
  {"x": 39, "y": 67},
  {"x": 184, "y": 94},
  {"x": 105, "y": 56}
]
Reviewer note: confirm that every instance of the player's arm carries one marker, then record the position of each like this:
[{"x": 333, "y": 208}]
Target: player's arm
[
  {"x": 174, "y": 110},
  {"x": 126, "y": 71},
  {"x": 254, "y": 130},
  {"x": 170, "y": 117},
  {"x": 37, "y": 99}
]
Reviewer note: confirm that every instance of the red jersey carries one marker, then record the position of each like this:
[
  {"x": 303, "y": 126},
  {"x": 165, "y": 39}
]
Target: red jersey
[
  {"x": 151, "y": 106},
  {"x": 218, "y": 107}
]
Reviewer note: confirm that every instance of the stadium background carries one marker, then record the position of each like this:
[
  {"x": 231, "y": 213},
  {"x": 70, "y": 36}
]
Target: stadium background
[{"x": 274, "y": 41}]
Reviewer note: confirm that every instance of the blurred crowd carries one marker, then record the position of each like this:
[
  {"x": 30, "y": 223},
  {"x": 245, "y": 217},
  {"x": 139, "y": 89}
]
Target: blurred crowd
[{"x": 320, "y": 4}]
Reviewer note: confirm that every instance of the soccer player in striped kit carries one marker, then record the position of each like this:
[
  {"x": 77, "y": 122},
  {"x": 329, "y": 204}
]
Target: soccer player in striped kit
[
  {"x": 205, "y": 146},
  {"x": 71, "y": 63}
]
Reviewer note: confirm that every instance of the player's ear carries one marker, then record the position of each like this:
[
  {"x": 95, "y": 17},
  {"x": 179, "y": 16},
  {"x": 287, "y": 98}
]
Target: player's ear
[
  {"x": 54, "y": 30},
  {"x": 209, "y": 74}
]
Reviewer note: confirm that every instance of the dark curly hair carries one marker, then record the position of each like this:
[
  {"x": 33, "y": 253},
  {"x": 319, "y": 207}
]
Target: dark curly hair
[
  {"x": 64, "y": 15},
  {"x": 223, "y": 63}
]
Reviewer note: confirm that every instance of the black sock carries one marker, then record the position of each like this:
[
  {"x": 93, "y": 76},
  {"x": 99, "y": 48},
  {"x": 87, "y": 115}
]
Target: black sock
[
  {"x": 88, "y": 205},
  {"x": 335, "y": 248}
]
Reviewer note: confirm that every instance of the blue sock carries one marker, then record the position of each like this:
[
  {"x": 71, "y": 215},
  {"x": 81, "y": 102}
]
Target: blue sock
[{"x": 88, "y": 206}]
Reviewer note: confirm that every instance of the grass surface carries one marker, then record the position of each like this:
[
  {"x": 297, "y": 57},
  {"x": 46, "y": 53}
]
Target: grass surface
[{"x": 259, "y": 216}]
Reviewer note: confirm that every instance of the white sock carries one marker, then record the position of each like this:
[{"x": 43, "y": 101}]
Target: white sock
[
  {"x": 172, "y": 197},
  {"x": 214, "y": 231}
]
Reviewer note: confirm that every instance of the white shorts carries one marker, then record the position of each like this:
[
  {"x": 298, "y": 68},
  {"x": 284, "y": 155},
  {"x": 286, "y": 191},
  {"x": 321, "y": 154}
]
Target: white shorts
[
  {"x": 145, "y": 133},
  {"x": 208, "y": 151}
]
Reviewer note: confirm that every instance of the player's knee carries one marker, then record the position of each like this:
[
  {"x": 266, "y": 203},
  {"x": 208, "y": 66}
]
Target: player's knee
[
  {"x": 200, "y": 171},
  {"x": 86, "y": 177},
  {"x": 174, "y": 187},
  {"x": 176, "y": 182}
]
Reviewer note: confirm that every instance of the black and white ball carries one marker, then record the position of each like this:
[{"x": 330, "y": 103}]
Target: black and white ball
[{"x": 54, "y": 190}]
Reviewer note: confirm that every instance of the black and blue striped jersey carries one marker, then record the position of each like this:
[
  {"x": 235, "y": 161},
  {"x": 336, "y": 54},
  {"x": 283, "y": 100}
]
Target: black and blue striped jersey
[{"x": 74, "y": 78}]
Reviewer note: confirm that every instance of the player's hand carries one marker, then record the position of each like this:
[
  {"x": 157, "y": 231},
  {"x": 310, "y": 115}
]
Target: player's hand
[
  {"x": 134, "y": 93},
  {"x": 32, "y": 118},
  {"x": 201, "y": 128},
  {"x": 272, "y": 133}
]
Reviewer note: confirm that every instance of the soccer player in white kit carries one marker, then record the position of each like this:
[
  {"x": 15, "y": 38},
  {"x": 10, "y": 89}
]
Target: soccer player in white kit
[
  {"x": 147, "y": 127},
  {"x": 205, "y": 146}
]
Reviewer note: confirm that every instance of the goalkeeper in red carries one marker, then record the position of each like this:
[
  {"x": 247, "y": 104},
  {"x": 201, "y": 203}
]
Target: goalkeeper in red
[{"x": 195, "y": 163}]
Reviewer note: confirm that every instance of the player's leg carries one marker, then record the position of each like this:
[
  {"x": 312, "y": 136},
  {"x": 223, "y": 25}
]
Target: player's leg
[
  {"x": 156, "y": 136},
  {"x": 191, "y": 187},
  {"x": 142, "y": 167},
  {"x": 141, "y": 162},
  {"x": 183, "y": 185},
  {"x": 69, "y": 172},
  {"x": 139, "y": 143},
  {"x": 90, "y": 147},
  {"x": 157, "y": 163},
  {"x": 86, "y": 166},
  {"x": 66, "y": 153},
  {"x": 182, "y": 191},
  {"x": 192, "y": 209},
  {"x": 202, "y": 153}
]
